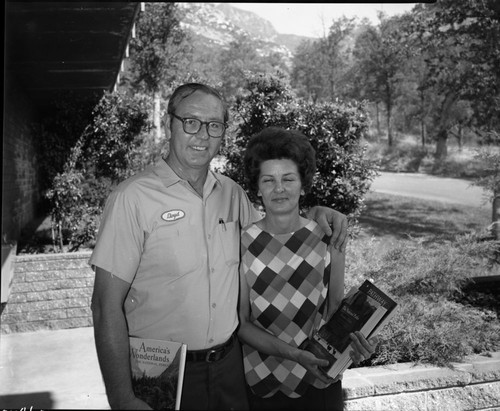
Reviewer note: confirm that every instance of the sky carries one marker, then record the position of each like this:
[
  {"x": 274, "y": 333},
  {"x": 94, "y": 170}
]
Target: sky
[{"x": 314, "y": 19}]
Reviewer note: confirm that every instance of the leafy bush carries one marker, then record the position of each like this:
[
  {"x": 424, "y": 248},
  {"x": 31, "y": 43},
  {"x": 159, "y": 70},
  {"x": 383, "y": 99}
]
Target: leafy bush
[
  {"x": 490, "y": 159},
  {"x": 111, "y": 148},
  {"x": 334, "y": 129},
  {"x": 433, "y": 324}
]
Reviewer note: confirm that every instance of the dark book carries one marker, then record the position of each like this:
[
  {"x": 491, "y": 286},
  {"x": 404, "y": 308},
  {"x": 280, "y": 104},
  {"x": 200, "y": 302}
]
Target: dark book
[
  {"x": 366, "y": 309},
  {"x": 158, "y": 371}
]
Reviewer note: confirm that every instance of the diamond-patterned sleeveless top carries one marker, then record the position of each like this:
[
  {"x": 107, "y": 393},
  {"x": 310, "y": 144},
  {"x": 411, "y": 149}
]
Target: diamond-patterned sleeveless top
[{"x": 288, "y": 276}]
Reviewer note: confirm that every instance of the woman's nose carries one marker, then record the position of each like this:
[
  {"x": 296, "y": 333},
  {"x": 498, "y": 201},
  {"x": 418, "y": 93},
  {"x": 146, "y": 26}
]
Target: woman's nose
[{"x": 279, "y": 188}]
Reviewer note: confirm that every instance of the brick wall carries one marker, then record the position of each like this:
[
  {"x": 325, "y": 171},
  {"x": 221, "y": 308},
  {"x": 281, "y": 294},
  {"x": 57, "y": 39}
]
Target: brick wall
[
  {"x": 20, "y": 192},
  {"x": 49, "y": 291}
]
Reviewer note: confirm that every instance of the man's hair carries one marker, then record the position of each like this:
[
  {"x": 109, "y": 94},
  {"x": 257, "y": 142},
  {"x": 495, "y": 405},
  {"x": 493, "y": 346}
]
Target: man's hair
[
  {"x": 185, "y": 90},
  {"x": 275, "y": 143}
]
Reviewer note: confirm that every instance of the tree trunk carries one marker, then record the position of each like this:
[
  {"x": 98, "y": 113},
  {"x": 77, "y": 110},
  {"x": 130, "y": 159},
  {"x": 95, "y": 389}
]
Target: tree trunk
[
  {"x": 378, "y": 122},
  {"x": 460, "y": 138},
  {"x": 422, "y": 117},
  {"x": 332, "y": 89},
  {"x": 390, "y": 141},
  {"x": 442, "y": 135},
  {"x": 389, "y": 131},
  {"x": 157, "y": 116},
  {"x": 388, "y": 102},
  {"x": 495, "y": 226},
  {"x": 441, "y": 145},
  {"x": 422, "y": 132}
]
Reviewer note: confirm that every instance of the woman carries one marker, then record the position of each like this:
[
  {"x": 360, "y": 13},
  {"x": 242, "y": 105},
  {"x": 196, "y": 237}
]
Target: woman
[{"x": 291, "y": 281}]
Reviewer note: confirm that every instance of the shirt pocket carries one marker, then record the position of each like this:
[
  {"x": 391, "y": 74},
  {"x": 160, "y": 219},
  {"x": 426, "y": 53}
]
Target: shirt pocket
[{"x": 229, "y": 240}]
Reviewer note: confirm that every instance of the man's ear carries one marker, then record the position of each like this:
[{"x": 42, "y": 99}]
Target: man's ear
[{"x": 166, "y": 123}]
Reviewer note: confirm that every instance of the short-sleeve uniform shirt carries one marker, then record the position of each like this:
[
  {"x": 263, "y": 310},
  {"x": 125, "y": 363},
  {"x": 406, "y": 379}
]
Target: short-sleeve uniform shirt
[{"x": 179, "y": 251}]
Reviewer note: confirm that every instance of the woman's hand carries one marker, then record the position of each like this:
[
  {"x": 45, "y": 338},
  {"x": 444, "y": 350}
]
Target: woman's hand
[
  {"x": 362, "y": 348},
  {"x": 312, "y": 363}
]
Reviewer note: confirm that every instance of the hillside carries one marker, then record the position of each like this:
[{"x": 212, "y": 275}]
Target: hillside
[{"x": 219, "y": 24}]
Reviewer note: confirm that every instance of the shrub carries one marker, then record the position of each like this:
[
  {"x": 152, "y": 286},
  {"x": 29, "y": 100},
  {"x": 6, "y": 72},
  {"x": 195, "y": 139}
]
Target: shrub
[
  {"x": 110, "y": 149},
  {"x": 334, "y": 129},
  {"x": 435, "y": 332},
  {"x": 490, "y": 180}
]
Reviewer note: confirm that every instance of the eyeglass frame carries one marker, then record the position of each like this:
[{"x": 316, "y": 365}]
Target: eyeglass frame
[{"x": 183, "y": 119}]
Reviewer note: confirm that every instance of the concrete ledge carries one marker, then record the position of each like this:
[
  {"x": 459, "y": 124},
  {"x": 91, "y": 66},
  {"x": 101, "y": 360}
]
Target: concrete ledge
[{"x": 472, "y": 384}]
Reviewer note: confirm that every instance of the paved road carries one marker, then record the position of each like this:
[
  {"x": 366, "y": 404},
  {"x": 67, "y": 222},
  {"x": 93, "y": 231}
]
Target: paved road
[{"x": 449, "y": 190}]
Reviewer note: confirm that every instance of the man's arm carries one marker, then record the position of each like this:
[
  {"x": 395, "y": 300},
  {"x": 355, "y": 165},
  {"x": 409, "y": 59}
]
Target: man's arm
[
  {"x": 327, "y": 217},
  {"x": 111, "y": 338}
]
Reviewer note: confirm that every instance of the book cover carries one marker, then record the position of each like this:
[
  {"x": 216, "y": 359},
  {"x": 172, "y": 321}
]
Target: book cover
[
  {"x": 158, "y": 371},
  {"x": 366, "y": 309}
]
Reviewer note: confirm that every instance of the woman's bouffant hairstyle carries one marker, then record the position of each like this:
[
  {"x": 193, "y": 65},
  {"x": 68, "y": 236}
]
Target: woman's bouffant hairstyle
[{"x": 275, "y": 143}]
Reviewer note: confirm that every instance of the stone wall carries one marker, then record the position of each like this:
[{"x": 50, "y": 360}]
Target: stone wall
[
  {"x": 473, "y": 384},
  {"x": 49, "y": 291}
]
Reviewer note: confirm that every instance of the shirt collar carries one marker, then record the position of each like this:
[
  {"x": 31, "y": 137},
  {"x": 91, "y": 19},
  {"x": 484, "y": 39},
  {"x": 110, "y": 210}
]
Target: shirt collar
[{"x": 168, "y": 176}]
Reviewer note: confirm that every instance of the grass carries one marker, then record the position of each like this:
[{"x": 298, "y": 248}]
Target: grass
[
  {"x": 424, "y": 253},
  {"x": 395, "y": 218}
]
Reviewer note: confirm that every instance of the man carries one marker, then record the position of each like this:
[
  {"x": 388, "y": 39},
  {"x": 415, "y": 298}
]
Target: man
[{"x": 166, "y": 260}]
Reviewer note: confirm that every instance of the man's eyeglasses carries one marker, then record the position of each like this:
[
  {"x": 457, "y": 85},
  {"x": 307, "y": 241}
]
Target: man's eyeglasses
[{"x": 215, "y": 129}]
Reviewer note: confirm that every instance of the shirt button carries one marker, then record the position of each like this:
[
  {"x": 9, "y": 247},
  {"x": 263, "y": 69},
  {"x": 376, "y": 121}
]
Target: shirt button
[
  {"x": 211, "y": 340},
  {"x": 209, "y": 236},
  {"x": 214, "y": 305},
  {"x": 212, "y": 270}
]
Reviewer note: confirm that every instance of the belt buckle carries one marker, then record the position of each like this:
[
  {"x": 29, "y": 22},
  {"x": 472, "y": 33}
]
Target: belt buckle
[{"x": 208, "y": 357}]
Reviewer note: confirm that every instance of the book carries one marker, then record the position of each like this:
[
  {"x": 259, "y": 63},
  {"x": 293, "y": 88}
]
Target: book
[
  {"x": 366, "y": 309},
  {"x": 158, "y": 371}
]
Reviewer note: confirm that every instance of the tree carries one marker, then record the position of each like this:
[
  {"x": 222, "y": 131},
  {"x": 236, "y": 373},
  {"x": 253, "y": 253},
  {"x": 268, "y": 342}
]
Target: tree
[
  {"x": 320, "y": 67},
  {"x": 234, "y": 62},
  {"x": 159, "y": 53},
  {"x": 334, "y": 52},
  {"x": 305, "y": 77},
  {"x": 379, "y": 55},
  {"x": 461, "y": 43},
  {"x": 242, "y": 58}
]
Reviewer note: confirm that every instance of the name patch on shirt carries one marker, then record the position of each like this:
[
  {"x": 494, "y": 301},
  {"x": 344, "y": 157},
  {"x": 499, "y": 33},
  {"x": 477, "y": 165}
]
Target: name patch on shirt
[{"x": 173, "y": 215}]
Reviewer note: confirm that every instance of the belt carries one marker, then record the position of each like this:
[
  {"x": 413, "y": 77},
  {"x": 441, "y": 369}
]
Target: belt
[{"x": 211, "y": 354}]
